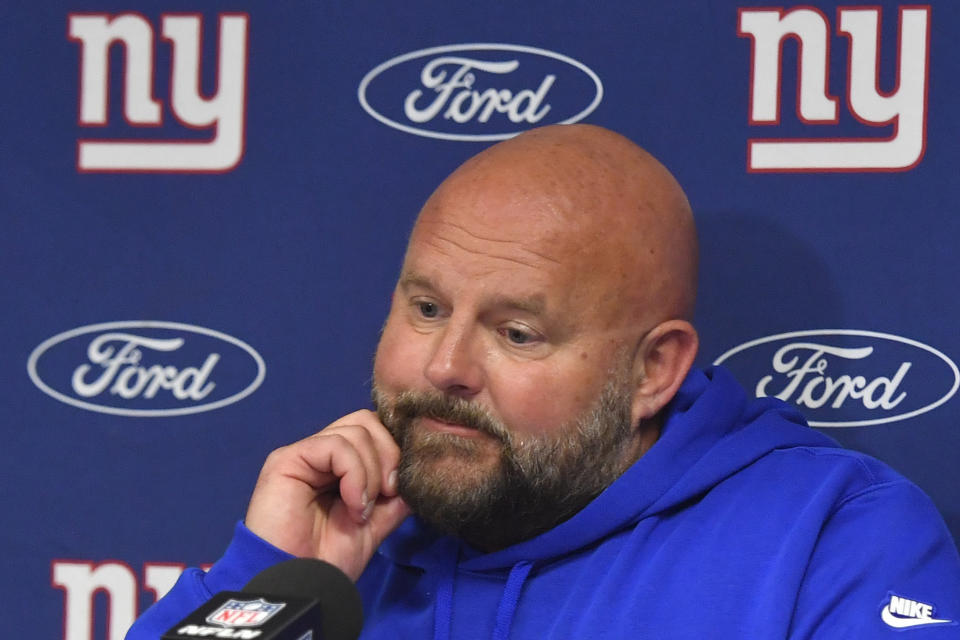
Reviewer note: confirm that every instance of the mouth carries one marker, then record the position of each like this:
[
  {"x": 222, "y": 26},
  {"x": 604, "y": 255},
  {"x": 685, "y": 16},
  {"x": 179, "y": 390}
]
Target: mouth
[{"x": 435, "y": 424}]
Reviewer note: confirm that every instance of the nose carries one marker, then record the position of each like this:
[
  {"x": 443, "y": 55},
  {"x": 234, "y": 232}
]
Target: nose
[{"x": 455, "y": 366}]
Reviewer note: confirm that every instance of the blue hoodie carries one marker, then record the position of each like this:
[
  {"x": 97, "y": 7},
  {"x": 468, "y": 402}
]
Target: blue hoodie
[{"x": 740, "y": 522}]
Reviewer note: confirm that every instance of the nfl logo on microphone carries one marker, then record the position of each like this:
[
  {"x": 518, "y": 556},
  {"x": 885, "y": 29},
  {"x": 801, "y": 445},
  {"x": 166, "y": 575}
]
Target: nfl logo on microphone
[{"x": 244, "y": 613}]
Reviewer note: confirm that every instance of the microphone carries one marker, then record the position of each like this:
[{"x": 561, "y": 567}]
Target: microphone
[{"x": 298, "y": 599}]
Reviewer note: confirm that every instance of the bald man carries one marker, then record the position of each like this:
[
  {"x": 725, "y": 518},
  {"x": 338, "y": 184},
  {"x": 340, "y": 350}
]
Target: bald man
[{"x": 569, "y": 476}]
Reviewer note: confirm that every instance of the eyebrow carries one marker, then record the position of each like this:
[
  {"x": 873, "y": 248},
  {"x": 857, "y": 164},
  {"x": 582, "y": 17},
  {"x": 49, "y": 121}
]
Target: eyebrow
[
  {"x": 408, "y": 280},
  {"x": 534, "y": 304}
]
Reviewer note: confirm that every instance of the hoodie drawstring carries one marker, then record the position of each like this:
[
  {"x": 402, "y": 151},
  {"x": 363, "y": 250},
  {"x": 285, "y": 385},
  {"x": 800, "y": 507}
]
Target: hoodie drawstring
[
  {"x": 443, "y": 611},
  {"x": 509, "y": 599}
]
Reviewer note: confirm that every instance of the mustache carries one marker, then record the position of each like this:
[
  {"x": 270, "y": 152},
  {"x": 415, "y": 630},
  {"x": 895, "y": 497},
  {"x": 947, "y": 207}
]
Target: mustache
[{"x": 409, "y": 405}]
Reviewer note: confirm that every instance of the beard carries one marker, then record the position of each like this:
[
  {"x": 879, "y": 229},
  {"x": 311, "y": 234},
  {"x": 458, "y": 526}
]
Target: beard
[{"x": 529, "y": 484}]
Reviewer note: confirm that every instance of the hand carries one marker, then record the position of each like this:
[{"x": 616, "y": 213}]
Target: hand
[{"x": 331, "y": 496}]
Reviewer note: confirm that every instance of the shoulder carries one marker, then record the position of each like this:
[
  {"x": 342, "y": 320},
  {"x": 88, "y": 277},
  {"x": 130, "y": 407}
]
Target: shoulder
[
  {"x": 850, "y": 474},
  {"x": 867, "y": 499},
  {"x": 881, "y": 544},
  {"x": 815, "y": 490}
]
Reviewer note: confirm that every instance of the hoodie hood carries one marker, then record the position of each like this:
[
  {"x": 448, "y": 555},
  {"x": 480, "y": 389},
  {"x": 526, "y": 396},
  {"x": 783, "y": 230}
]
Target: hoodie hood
[{"x": 690, "y": 457}]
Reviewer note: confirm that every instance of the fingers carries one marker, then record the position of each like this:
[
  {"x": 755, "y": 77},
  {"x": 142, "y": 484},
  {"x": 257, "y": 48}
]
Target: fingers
[
  {"x": 387, "y": 452},
  {"x": 355, "y": 456},
  {"x": 338, "y": 463},
  {"x": 332, "y": 495}
]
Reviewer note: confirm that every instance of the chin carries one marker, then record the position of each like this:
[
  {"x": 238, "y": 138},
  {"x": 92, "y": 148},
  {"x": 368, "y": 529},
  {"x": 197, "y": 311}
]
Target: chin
[{"x": 449, "y": 464}]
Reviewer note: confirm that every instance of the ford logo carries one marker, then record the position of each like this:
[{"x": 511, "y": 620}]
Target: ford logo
[
  {"x": 846, "y": 377},
  {"x": 479, "y": 92},
  {"x": 146, "y": 368}
]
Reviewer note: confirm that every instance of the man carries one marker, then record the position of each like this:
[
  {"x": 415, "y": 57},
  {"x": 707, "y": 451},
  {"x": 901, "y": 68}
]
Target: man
[{"x": 570, "y": 477}]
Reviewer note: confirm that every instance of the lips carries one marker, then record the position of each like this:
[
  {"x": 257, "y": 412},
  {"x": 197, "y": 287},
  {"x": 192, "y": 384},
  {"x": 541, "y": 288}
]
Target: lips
[{"x": 436, "y": 424}]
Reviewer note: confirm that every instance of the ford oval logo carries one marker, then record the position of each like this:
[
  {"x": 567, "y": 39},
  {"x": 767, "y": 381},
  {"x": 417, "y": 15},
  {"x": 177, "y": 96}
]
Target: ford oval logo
[
  {"x": 479, "y": 92},
  {"x": 846, "y": 377},
  {"x": 146, "y": 368}
]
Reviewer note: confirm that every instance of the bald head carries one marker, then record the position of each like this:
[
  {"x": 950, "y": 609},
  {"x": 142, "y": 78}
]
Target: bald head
[
  {"x": 547, "y": 281},
  {"x": 622, "y": 215}
]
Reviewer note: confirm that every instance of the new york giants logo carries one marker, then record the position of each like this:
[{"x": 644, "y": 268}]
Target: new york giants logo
[
  {"x": 222, "y": 113},
  {"x": 903, "y": 109}
]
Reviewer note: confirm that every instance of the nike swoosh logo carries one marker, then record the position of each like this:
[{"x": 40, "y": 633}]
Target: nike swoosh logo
[{"x": 902, "y": 623}]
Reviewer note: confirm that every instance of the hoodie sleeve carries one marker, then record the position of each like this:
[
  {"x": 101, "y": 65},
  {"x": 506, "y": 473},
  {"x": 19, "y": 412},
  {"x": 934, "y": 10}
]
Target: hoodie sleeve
[
  {"x": 246, "y": 556},
  {"x": 884, "y": 563}
]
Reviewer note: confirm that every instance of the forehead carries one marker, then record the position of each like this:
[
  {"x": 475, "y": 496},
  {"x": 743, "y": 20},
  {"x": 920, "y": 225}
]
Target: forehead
[
  {"x": 502, "y": 221},
  {"x": 510, "y": 240},
  {"x": 510, "y": 211},
  {"x": 492, "y": 260}
]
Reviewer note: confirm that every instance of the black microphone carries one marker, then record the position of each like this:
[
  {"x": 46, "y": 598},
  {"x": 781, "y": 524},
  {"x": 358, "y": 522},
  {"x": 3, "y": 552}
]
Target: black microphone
[{"x": 298, "y": 599}]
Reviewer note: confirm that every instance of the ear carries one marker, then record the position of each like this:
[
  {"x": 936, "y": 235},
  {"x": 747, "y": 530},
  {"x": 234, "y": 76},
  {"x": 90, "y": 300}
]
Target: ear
[{"x": 663, "y": 359}]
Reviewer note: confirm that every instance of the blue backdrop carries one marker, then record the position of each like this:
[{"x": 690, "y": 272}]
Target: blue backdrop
[{"x": 205, "y": 205}]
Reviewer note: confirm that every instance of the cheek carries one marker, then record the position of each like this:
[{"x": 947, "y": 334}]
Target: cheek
[
  {"x": 539, "y": 401},
  {"x": 396, "y": 361}
]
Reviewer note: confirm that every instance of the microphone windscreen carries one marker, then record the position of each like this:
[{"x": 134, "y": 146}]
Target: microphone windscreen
[{"x": 312, "y": 578}]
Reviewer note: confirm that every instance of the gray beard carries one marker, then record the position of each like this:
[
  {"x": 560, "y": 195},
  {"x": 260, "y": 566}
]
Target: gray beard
[{"x": 535, "y": 484}]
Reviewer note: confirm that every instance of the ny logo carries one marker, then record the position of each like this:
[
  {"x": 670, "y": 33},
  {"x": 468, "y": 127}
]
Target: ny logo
[
  {"x": 905, "y": 107},
  {"x": 222, "y": 113}
]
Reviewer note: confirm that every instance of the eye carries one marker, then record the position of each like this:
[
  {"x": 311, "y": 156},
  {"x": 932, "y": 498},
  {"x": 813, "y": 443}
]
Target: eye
[
  {"x": 518, "y": 336},
  {"x": 427, "y": 309}
]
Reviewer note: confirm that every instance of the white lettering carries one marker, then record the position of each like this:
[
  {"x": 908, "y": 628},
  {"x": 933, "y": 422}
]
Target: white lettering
[
  {"x": 914, "y": 610},
  {"x": 223, "y": 111},
  {"x": 133, "y": 380},
  {"x": 80, "y": 581},
  {"x": 910, "y": 608},
  {"x": 817, "y": 389},
  {"x": 769, "y": 28},
  {"x": 217, "y": 632},
  {"x": 898, "y": 605},
  {"x": 905, "y": 108},
  {"x": 889, "y": 387},
  {"x": 96, "y": 34},
  {"x": 466, "y": 103}
]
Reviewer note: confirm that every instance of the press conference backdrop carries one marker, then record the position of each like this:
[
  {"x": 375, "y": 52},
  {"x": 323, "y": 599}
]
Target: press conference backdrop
[{"x": 205, "y": 205}]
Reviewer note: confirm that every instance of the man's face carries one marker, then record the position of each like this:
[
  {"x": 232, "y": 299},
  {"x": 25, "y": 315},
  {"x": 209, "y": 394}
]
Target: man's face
[
  {"x": 537, "y": 483},
  {"x": 504, "y": 357}
]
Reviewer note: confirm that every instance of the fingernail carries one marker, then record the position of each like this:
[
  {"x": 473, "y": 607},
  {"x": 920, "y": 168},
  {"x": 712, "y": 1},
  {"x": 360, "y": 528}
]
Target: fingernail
[
  {"x": 392, "y": 480},
  {"x": 367, "y": 510}
]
